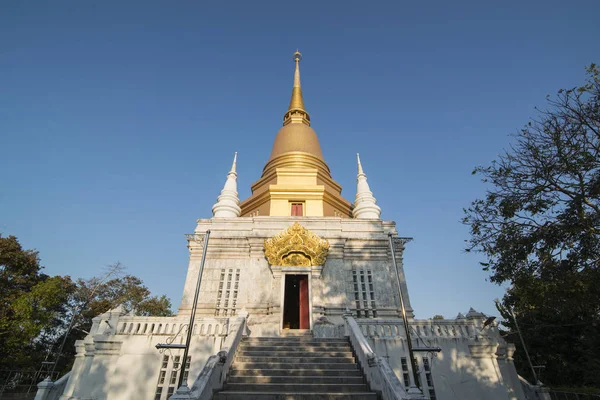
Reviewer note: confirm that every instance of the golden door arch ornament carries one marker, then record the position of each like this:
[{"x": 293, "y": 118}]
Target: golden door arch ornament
[{"x": 296, "y": 247}]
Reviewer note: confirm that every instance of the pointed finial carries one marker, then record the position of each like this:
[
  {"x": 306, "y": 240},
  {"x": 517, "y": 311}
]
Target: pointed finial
[
  {"x": 233, "y": 166},
  {"x": 365, "y": 205},
  {"x": 296, "y": 111},
  {"x": 360, "y": 169},
  {"x": 228, "y": 203},
  {"x": 297, "y": 58}
]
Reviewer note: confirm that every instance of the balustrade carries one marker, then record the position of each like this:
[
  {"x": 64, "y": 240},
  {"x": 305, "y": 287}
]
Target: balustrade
[
  {"x": 377, "y": 328},
  {"x": 169, "y": 326}
]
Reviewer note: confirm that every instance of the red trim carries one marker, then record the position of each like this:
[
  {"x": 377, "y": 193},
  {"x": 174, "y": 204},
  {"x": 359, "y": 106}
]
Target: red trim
[{"x": 304, "y": 305}]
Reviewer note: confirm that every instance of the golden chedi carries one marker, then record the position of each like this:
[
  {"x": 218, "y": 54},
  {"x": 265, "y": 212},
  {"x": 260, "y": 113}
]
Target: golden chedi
[{"x": 296, "y": 180}]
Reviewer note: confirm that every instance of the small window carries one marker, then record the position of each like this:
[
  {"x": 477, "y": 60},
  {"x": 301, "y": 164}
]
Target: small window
[
  {"x": 364, "y": 293},
  {"x": 405, "y": 372},
  {"x": 429, "y": 378},
  {"x": 297, "y": 210},
  {"x": 227, "y": 293}
]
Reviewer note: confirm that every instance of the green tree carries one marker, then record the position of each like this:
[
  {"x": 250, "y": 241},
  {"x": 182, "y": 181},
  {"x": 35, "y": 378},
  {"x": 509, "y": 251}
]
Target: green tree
[
  {"x": 539, "y": 228},
  {"x": 36, "y": 309},
  {"x": 97, "y": 295},
  {"x": 32, "y": 304},
  {"x": 128, "y": 291}
]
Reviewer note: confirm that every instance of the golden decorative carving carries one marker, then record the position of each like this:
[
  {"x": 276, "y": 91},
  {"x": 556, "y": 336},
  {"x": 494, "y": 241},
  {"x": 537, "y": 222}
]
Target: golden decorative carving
[{"x": 296, "y": 247}]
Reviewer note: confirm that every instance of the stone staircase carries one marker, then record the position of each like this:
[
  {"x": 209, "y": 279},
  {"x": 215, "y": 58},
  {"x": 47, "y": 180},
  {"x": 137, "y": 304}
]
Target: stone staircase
[{"x": 295, "y": 368}]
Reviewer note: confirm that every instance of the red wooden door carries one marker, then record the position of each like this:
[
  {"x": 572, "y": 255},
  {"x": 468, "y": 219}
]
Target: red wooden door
[
  {"x": 304, "y": 314},
  {"x": 297, "y": 210}
]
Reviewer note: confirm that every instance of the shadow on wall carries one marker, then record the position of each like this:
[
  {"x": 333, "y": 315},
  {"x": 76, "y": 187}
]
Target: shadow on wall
[
  {"x": 467, "y": 377},
  {"x": 374, "y": 255},
  {"x": 133, "y": 373},
  {"x": 456, "y": 373}
]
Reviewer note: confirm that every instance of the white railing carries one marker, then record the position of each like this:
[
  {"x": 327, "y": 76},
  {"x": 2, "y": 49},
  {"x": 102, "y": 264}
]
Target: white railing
[
  {"x": 48, "y": 390},
  {"x": 171, "y": 325},
  {"x": 377, "y": 370},
  {"x": 537, "y": 392},
  {"x": 383, "y": 328},
  {"x": 214, "y": 373}
]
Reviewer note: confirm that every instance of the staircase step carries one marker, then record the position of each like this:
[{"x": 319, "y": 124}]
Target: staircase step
[
  {"x": 295, "y": 372},
  {"x": 250, "y": 352},
  {"x": 295, "y": 387},
  {"x": 296, "y": 332},
  {"x": 295, "y": 360},
  {"x": 231, "y": 395},
  {"x": 279, "y": 365},
  {"x": 333, "y": 380},
  {"x": 297, "y": 347},
  {"x": 296, "y": 340},
  {"x": 295, "y": 367},
  {"x": 289, "y": 343}
]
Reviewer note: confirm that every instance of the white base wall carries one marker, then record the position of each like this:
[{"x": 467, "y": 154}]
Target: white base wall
[{"x": 118, "y": 360}]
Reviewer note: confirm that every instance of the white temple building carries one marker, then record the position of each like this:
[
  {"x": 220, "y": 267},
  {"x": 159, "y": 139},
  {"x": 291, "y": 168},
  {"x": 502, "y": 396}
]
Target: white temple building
[{"x": 300, "y": 298}]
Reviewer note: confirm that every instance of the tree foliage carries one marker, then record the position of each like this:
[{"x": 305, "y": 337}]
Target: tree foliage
[
  {"x": 32, "y": 303},
  {"x": 99, "y": 294},
  {"x": 37, "y": 309},
  {"x": 558, "y": 317},
  {"x": 539, "y": 228},
  {"x": 543, "y": 207},
  {"x": 96, "y": 296}
]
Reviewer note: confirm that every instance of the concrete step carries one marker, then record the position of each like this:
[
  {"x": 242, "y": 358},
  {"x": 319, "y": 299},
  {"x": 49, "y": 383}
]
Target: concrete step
[
  {"x": 288, "y": 341},
  {"x": 295, "y": 387},
  {"x": 250, "y": 352},
  {"x": 295, "y": 344},
  {"x": 295, "y": 372},
  {"x": 296, "y": 347},
  {"x": 296, "y": 332},
  {"x": 231, "y": 395},
  {"x": 291, "y": 343},
  {"x": 295, "y": 360},
  {"x": 279, "y": 365},
  {"x": 333, "y": 380},
  {"x": 294, "y": 339},
  {"x": 297, "y": 367}
]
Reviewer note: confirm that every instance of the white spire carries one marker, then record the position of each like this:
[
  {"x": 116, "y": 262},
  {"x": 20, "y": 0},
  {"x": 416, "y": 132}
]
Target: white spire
[
  {"x": 228, "y": 203},
  {"x": 365, "y": 206}
]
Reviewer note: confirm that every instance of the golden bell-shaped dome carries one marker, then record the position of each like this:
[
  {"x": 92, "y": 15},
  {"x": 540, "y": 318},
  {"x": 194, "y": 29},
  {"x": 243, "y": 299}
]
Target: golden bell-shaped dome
[{"x": 296, "y": 137}]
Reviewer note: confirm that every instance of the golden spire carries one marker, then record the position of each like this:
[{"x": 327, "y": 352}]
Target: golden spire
[
  {"x": 296, "y": 170},
  {"x": 296, "y": 111}
]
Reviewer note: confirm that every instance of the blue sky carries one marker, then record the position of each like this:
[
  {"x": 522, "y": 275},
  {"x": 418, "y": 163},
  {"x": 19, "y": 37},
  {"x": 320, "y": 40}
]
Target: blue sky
[{"x": 119, "y": 120}]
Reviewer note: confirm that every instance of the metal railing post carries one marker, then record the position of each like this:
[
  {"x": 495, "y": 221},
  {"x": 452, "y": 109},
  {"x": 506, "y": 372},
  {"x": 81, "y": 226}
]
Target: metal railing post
[
  {"x": 193, "y": 314},
  {"x": 413, "y": 364}
]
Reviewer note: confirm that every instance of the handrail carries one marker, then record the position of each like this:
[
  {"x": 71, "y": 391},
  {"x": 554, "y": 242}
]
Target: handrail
[
  {"x": 59, "y": 387},
  {"x": 587, "y": 395},
  {"x": 377, "y": 370},
  {"x": 214, "y": 372},
  {"x": 48, "y": 390}
]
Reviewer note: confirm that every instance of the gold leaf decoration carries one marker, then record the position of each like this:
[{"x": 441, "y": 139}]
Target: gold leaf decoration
[{"x": 296, "y": 247}]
